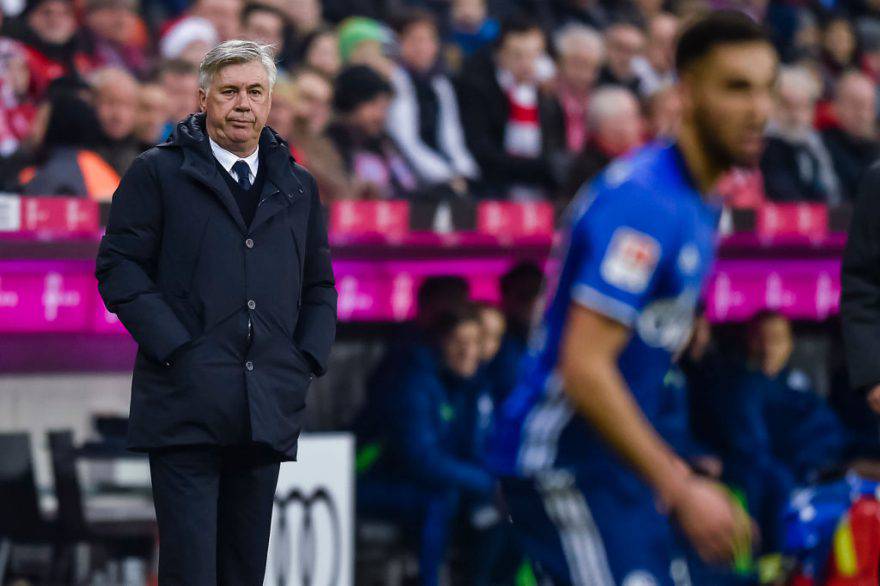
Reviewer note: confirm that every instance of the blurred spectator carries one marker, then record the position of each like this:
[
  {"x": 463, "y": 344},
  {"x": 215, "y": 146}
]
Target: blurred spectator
[
  {"x": 306, "y": 16},
  {"x": 772, "y": 430},
  {"x": 17, "y": 106},
  {"x": 623, "y": 43},
  {"x": 617, "y": 128},
  {"x": 501, "y": 105},
  {"x": 266, "y": 25},
  {"x": 300, "y": 112},
  {"x": 552, "y": 15},
  {"x": 520, "y": 288},
  {"x": 371, "y": 159},
  {"x": 363, "y": 41},
  {"x": 320, "y": 50},
  {"x": 795, "y": 164},
  {"x": 188, "y": 40},
  {"x": 853, "y": 143},
  {"x": 67, "y": 163},
  {"x": 663, "y": 113},
  {"x": 580, "y": 54},
  {"x": 429, "y": 458},
  {"x": 116, "y": 103},
  {"x": 470, "y": 30},
  {"x": 49, "y": 34},
  {"x": 423, "y": 117},
  {"x": 656, "y": 68},
  {"x": 180, "y": 82},
  {"x": 152, "y": 115},
  {"x": 838, "y": 50},
  {"x": 494, "y": 325},
  {"x": 115, "y": 36}
]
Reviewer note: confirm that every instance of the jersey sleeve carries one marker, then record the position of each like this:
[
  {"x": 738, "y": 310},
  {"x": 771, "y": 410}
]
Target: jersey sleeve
[{"x": 620, "y": 246}]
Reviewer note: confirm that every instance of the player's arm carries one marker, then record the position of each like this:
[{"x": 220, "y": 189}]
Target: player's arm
[{"x": 588, "y": 364}]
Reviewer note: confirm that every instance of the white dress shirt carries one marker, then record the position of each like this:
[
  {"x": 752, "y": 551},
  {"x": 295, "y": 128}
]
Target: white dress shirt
[{"x": 227, "y": 160}]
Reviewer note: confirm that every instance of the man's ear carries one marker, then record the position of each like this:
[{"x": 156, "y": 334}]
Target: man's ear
[{"x": 203, "y": 98}]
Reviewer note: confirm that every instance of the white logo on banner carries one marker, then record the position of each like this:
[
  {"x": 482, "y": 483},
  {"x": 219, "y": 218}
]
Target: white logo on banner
[{"x": 54, "y": 296}]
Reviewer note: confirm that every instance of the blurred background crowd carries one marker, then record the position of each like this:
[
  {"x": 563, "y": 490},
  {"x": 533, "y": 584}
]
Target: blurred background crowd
[{"x": 427, "y": 99}]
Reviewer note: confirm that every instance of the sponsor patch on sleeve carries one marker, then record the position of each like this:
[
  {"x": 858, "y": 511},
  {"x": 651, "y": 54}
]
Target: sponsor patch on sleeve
[{"x": 630, "y": 260}]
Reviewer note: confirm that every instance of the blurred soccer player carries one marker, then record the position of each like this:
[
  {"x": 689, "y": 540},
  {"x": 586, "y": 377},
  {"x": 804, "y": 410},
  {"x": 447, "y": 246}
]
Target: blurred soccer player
[{"x": 590, "y": 485}]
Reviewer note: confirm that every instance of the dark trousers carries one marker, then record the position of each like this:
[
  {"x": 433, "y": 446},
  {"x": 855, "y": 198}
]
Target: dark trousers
[{"x": 214, "y": 509}]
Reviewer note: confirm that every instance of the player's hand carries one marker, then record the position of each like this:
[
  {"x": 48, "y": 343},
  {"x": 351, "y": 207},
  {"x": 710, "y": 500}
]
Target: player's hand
[
  {"x": 713, "y": 524},
  {"x": 874, "y": 399}
]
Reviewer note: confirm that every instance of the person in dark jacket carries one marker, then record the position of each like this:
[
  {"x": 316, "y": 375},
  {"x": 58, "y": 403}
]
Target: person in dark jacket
[
  {"x": 506, "y": 117},
  {"x": 429, "y": 453},
  {"x": 216, "y": 260},
  {"x": 770, "y": 427}
]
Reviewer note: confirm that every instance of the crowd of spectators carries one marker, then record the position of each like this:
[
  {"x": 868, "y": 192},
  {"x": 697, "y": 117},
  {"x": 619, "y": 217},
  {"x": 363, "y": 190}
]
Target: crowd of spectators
[{"x": 427, "y": 99}]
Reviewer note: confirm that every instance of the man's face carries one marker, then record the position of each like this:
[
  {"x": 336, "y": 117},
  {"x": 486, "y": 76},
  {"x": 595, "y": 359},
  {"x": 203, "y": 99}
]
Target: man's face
[
  {"x": 623, "y": 43},
  {"x": 661, "y": 43},
  {"x": 579, "y": 66},
  {"x": 369, "y": 117},
  {"x": 236, "y": 106},
  {"x": 621, "y": 132},
  {"x": 116, "y": 104},
  {"x": 493, "y": 324},
  {"x": 323, "y": 55},
  {"x": 855, "y": 107},
  {"x": 462, "y": 349},
  {"x": 774, "y": 344},
  {"x": 182, "y": 90},
  {"x": 152, "y": 114},
  {"x": 265, "y": 27},
  {"x": 225, "y": 15},
  {"x": 795, "y": 108},
  {"x": 419, "y": 46},
  {"x": 53, "y": 21},
  {"x": 728, "y": 97},
  {"x": 468, "y": 14},
  {"x": 519, "y": 54},
  {"x": 312, "y": 104}
]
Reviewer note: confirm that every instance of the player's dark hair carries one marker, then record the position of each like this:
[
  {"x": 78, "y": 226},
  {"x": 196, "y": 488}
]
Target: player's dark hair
[{"x": 720, "y": 27}]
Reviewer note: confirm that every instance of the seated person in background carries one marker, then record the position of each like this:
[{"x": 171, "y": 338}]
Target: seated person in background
[
  {"x": 580, "y": 52},
  {"x": 853, "y": 144},
  {"x": 656, "y": 66},
  {"x": 427, "y": 461},
  {"x": 116, "y": 103},
  {"x": 771, "y": 429},
  {"x": 795, "y": 164},
  {"x": 364, "y": 41},
  {"x": 376, "y": 168},
  {"x": 624, "y": 42},
  {"x": 152, "y": 116},
  {"x": 520, "y": 287},
  {"x": 115, "y": 36},
  {"x": 66, "y": 163},
  {"x": 503, "y": 112},
  {"x": 470, "y": 30},
  {"x": 423, "y": 117},
  {"x": 617, "y": 128},
  {"x": 180, "y": 82}
]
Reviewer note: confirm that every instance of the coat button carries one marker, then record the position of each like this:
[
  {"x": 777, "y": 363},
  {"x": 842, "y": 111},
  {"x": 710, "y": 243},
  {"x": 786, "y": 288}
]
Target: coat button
[
  {"x": 249, "y": 243},
  {"x": 249, "y": 365},
  {"x": 168, "y": 363},
  {"x": 252, "y": 304}
]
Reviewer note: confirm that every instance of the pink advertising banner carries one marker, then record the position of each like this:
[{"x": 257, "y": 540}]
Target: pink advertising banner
[{"x": 61, "y": 295}]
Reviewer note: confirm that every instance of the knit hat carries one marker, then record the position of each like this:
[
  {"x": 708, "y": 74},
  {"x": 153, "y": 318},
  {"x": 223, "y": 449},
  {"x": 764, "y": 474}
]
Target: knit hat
[
  {"x": 355, "y": 30},
  {"x": 356, "y": 85},
  {"x": 186, "y": 31}
]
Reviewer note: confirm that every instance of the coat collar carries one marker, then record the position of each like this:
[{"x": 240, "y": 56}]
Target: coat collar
[{"x": 282, "y": 185}]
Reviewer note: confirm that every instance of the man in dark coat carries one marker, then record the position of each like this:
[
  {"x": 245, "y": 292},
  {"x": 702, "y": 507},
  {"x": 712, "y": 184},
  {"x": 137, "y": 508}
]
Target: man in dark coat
[{"x": 216, "y": 261}]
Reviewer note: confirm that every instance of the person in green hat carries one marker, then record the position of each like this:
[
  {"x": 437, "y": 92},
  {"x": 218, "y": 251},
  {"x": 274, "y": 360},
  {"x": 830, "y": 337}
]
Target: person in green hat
[{"x": 364, "y": 41}]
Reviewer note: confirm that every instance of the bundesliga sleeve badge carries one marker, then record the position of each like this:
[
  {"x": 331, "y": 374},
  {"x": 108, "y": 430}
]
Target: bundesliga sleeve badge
[{"x": 630, "y": 260}]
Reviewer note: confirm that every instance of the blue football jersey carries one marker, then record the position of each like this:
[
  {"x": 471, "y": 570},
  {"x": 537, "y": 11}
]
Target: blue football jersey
[{"x": 638, "y": 243}]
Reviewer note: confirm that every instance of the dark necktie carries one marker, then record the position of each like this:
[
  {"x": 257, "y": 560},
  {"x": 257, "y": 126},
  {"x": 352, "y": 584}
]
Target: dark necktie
[{"x": 242, "y": 172}]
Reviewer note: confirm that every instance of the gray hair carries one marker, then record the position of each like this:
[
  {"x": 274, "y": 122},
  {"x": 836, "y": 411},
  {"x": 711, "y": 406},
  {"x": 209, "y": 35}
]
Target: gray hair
[
  {"x": 608, "y": 101},
  {"x": 799, "y": 79},
  {"x": 235, "y": 52},
  {"x": 573, "y": 36}
]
